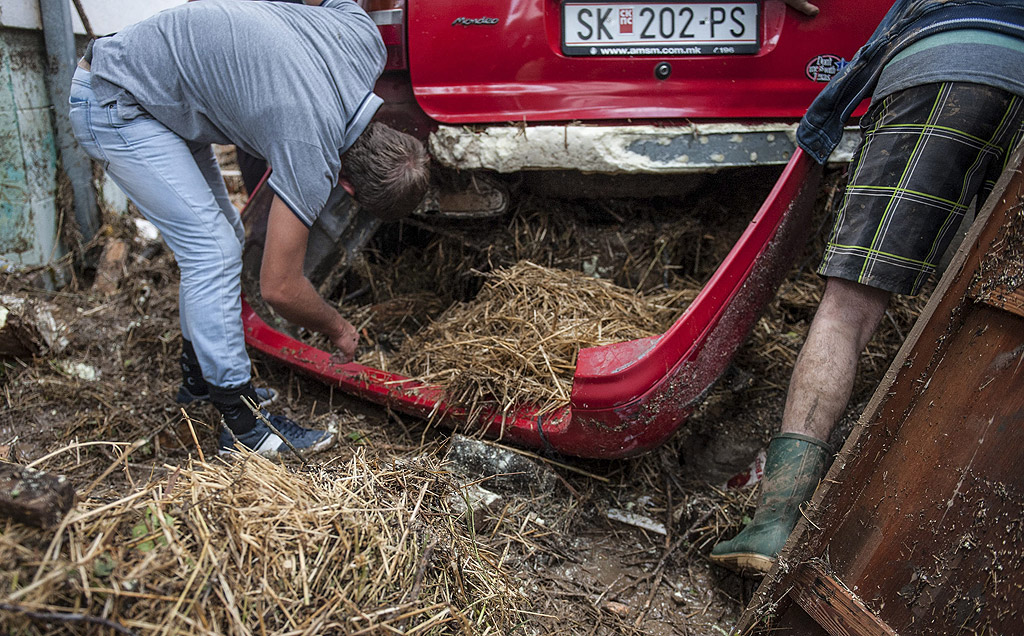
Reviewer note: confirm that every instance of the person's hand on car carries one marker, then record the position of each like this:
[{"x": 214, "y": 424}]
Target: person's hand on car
[{"x": 803, "y": 7}]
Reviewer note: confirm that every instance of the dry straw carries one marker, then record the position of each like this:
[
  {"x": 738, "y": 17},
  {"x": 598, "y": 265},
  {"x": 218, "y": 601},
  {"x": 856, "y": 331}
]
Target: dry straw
[
  {"x": 253, "y": 547},
  {"x": 518, "y": 341}
]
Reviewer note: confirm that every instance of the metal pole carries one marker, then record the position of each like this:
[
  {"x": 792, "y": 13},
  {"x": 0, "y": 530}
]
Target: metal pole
[{"x": 62, "y": 58}]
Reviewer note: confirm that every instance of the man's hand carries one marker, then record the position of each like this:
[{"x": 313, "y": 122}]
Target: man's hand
[
  {"x": 289, "y": 292},
  {"x": 346, "y": 341},
  {"x": 803, "y": 7}
]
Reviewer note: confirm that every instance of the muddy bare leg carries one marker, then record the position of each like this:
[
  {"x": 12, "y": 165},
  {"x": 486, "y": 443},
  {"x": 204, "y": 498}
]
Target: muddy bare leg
[
  {"x": 798, "y": 456},
  {"x": 825, "y": 370}
]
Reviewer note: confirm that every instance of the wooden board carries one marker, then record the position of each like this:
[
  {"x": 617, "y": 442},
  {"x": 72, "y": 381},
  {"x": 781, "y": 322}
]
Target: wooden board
[
  {"x": 832, "y": 605},
  {"x": 921, "y": 517}
]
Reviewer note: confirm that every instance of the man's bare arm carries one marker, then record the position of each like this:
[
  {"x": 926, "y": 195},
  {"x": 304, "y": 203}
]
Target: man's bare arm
[{"x": 287, "y": 289}]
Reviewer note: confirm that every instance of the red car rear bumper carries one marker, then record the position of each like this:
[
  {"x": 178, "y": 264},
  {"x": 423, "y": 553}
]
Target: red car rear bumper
[{"x": 629, "y": 397}]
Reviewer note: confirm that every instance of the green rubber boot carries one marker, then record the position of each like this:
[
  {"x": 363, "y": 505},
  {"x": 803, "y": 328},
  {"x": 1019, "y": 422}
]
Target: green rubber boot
[{"x": 794, "y": 466}]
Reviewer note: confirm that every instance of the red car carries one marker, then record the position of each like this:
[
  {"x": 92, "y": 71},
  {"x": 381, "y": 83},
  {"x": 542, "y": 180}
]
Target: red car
[{"x": 609, "y": 88}]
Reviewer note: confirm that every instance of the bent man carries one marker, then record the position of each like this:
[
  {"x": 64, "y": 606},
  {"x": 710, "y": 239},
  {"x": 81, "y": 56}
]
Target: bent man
[{"x": 149, "y": 102}]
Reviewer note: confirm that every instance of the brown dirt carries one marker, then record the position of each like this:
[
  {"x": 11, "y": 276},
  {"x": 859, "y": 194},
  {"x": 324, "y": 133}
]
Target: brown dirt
[{"x": 579, "y": 572}]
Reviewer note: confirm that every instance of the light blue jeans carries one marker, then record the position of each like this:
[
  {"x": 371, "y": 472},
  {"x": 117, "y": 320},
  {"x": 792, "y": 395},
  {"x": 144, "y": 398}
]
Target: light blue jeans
[{"x": 178, "y": 187}]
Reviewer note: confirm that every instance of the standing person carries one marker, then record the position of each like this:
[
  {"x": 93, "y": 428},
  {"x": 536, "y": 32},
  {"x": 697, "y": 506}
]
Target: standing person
[
  {"x": 946, "y": 80},
  {"x": 148, "y": 103}
]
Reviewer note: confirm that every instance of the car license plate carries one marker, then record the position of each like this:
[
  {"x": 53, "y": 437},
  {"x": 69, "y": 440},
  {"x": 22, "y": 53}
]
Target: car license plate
[{"x": 662, "y": 28}]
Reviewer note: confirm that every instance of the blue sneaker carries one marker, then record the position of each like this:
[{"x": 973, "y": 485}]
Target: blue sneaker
[
  {"x": 185, "y": 396},
  {"x": 263, "y": 441}
]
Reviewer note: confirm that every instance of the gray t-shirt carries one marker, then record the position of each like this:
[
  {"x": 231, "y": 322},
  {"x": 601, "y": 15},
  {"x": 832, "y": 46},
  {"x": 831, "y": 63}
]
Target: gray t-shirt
[
  {"x": 963, "y": 55},
  {"x": 290, "y": 83}
]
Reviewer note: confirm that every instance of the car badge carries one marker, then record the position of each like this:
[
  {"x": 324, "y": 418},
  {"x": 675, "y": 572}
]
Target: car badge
[{"x": 475, "y": 21}]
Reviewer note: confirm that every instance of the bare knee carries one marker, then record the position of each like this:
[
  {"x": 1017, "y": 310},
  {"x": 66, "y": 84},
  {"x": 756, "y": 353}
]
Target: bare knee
[{"x": 855, "y": 307}]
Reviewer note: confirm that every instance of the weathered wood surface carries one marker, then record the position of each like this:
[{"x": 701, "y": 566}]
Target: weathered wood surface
[
  {"x": 111, "y": 268},
  {"x": 32, "y": 497},
  {"x": 1000, "y": 279},
  {"x": 922, "y": 514},
  {"x": 832, "y": 605}
]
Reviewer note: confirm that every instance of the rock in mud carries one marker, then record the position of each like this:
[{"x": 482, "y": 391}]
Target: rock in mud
[
  {"x": 497, "y": 468},
  {"x": 28, "y": 328},
  {"x": 33, "y": 497}
]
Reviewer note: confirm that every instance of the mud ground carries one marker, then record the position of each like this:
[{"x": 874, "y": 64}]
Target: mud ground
[{"x": 583, "y": 572}]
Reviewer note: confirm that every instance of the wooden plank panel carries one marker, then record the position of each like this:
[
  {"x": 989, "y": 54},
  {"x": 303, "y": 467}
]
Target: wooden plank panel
[
  {"x": 833, "y": 606},
  {"x": 1011, "y": 300},
  {"x": 941, "y": 515},
  {"x": 1000, "y": 279}
]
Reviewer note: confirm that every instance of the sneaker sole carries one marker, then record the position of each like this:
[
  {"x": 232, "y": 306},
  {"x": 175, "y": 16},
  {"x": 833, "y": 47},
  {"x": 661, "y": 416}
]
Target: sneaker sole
[
  {"x": 744, "y": 562},
  {"x": 322, "y": 445}
]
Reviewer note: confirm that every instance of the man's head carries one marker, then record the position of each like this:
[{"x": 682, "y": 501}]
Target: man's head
[{"x": 389, "y": 171}]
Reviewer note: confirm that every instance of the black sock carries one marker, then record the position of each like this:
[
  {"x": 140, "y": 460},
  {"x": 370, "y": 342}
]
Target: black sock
[
  {"x": 191, "y": 373},
  {"x": 237, "y": 415}
]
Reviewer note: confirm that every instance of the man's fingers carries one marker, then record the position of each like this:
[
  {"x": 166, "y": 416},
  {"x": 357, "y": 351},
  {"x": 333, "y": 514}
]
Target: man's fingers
[
  {"x": 340, "y": 357},
  {"x": 803, "y": 7},
  {"x": 346, "y": 343},
  {"x": 346, "y": 350}
]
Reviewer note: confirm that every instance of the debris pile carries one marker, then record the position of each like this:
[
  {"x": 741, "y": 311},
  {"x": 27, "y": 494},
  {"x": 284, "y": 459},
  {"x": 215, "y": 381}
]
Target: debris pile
[
  {"x": 413, "y": 273},
  {"x": 518, "y": 340},
  {"x": 496, "y": 315},
  {"x": 250, "y": 545},
  {"x": 382, "y": 536},
  {"x": 28, "y": 328}
]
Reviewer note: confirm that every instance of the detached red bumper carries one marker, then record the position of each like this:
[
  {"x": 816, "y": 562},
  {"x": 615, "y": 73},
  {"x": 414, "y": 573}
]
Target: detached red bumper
[{"x": 630, "y": 397}]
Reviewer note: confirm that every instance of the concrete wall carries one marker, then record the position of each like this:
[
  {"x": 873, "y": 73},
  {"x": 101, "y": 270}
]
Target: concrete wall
[
  {"x": 30, "y": 206},
  {"x": 28, "y": 156}
]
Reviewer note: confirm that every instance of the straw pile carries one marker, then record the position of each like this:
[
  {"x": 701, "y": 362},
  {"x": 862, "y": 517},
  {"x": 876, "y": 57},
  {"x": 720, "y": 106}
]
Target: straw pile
[
  {"x": 254, "y": 547},
  {"x": 518, "y": 340}
]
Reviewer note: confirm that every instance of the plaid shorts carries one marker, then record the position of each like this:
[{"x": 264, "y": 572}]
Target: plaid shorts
[{"x": 925, "y": 153}]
